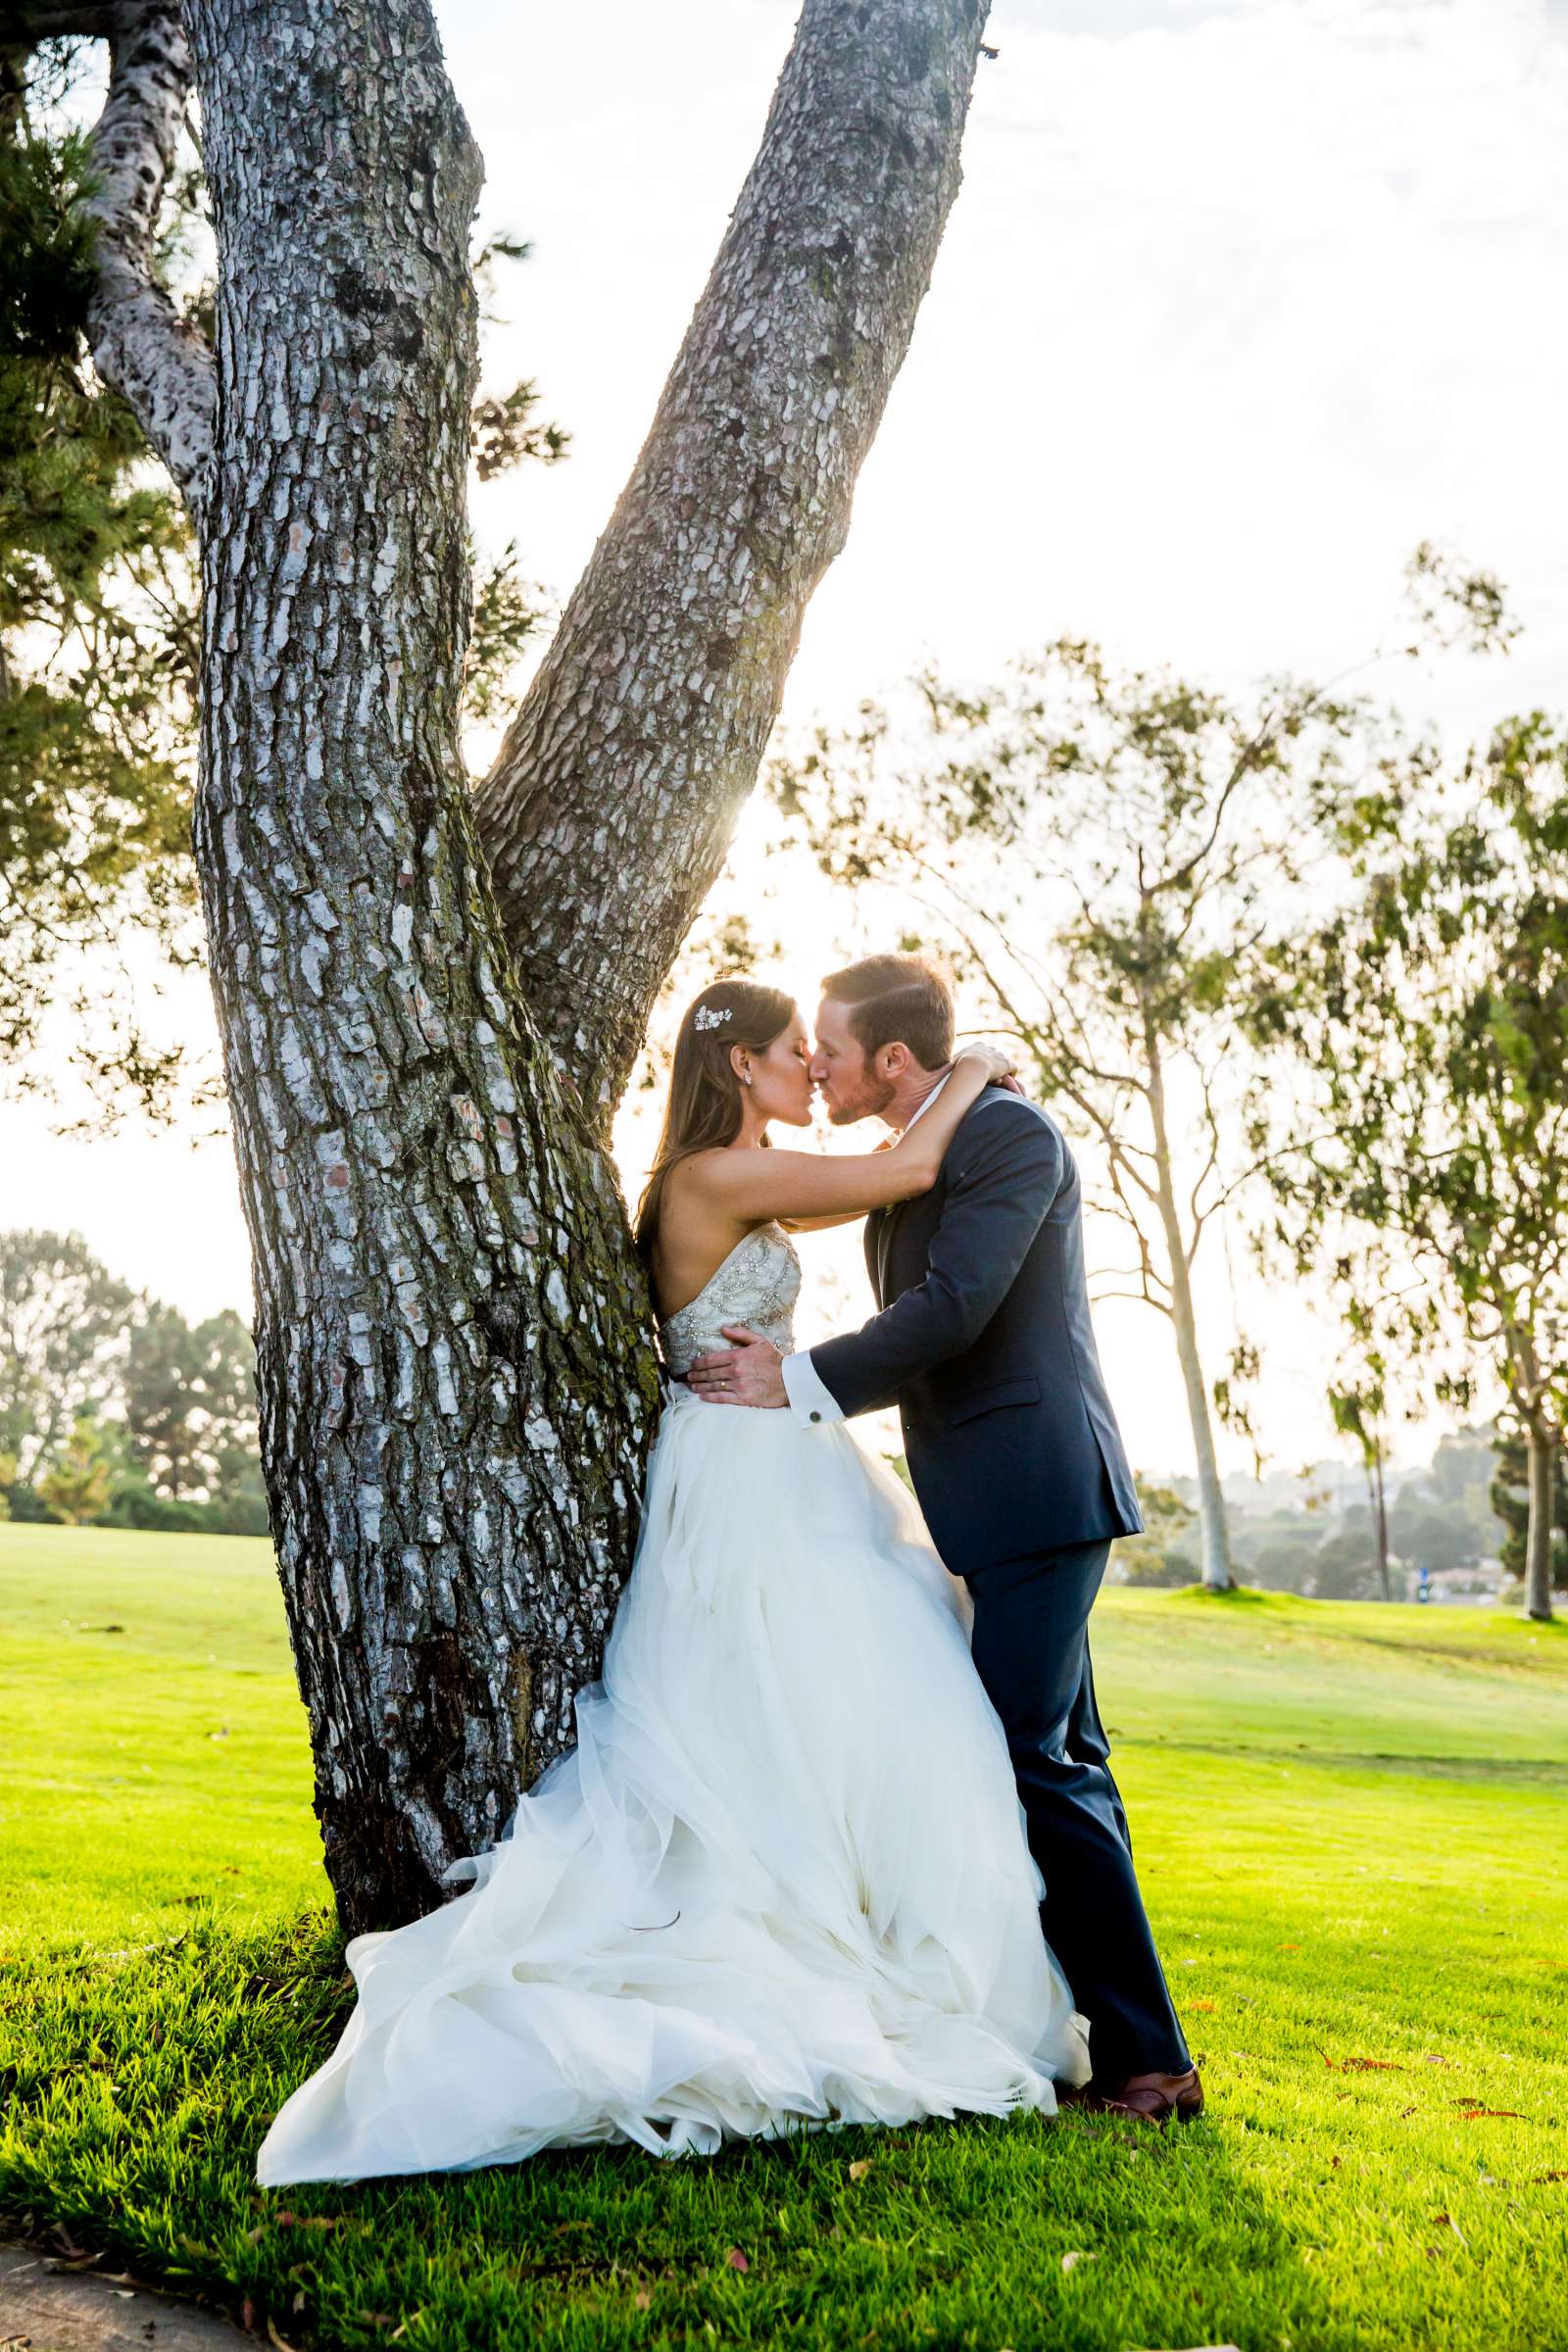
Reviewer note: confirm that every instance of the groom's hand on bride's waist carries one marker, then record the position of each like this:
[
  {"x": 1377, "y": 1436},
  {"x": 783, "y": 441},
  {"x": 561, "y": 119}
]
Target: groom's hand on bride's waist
[{"x": 749, "y": 1374}]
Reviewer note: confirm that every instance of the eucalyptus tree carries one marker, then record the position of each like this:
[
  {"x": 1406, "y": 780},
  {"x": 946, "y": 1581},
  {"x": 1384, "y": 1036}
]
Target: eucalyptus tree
[
  {"x": 1431, "y": 1013},
  {"x": 429, "y": 995},
  {"x": 1107, "y": 856}
]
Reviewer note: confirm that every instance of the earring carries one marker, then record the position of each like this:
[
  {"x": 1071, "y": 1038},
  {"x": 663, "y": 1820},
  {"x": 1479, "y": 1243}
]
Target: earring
[{"x": 746, "y": 1077}]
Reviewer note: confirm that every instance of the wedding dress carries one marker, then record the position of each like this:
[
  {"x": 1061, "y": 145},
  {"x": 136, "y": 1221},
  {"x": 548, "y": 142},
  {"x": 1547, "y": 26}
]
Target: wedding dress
[{"x": 781, "y": 1881}]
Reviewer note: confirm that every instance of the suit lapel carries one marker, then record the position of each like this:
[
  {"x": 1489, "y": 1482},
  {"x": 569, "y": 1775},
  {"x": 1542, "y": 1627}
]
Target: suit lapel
[
  {"x": 887, "y": 1224},
  {"x": 872, "y": 1240},
  {"x": 881, "y": 1230}
]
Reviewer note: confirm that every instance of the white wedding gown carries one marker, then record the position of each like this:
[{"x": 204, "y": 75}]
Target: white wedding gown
[{"x": 782, "y": 1878}]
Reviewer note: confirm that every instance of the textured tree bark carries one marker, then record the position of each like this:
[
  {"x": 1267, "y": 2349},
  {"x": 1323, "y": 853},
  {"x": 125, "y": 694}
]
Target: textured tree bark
[
  {"x": 455, "y": 1381},
  {"x": 140, "y": 344},
  {"x": 457, "y": 1389},
  {"x": 611, "y": 803}
]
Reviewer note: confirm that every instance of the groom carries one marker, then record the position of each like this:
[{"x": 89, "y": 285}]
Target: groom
[{"x": 984, "y": 1343}]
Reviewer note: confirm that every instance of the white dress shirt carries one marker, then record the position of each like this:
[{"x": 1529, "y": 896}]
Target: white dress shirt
[{"x": 812, "y": 1400}]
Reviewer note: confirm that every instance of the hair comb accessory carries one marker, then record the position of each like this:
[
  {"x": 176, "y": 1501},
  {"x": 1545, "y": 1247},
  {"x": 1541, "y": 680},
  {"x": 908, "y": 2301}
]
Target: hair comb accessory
[{"x": 708, "y": 1018}]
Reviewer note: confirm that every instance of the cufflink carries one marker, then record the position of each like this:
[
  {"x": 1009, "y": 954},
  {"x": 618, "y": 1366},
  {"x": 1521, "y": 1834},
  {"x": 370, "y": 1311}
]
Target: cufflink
[{"x": 816, "y": 1416}]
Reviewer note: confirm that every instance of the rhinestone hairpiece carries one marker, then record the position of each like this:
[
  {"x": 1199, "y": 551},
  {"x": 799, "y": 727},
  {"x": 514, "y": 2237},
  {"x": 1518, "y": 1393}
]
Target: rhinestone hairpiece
[{"x": 708, "y": 1018}]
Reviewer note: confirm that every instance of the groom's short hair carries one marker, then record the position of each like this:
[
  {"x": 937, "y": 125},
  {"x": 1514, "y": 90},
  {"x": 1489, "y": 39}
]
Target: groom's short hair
[{"x": 897, "y": 1000}]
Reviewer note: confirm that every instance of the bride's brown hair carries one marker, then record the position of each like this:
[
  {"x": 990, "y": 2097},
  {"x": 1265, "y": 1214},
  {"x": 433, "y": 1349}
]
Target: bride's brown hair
[{"x": 704, "y": 1106}]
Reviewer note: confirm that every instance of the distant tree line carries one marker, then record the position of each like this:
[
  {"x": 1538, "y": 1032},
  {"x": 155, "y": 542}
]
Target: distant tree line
[
  {"x": 115, "y": 1411},
  {"x": 1467, "y": 1508}
]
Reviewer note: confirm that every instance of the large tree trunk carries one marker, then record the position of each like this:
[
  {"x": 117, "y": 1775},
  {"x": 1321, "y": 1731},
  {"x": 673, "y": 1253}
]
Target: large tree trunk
[
  {"x": 1212, "y": 1527},
  {"x": 450, "y": 1329},
  {"x": 456, "y": 1389},
  {"x": 1540, "y": 1448}
]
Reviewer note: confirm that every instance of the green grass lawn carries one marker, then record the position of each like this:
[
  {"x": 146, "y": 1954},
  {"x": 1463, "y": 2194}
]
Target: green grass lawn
[{"x": 1352, "y": 1824}]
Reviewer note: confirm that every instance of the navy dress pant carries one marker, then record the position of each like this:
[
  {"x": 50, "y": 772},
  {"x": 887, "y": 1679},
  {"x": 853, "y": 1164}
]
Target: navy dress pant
[{"x": 1031, "y": 1650}]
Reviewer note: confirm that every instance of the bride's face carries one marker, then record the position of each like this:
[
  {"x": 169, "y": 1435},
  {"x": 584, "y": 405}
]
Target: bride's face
[{"x": 781, "y": 1078}]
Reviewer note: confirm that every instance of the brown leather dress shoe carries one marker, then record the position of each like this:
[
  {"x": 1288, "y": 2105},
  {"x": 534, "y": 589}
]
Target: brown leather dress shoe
[{"x": 1150, "y": 2098}]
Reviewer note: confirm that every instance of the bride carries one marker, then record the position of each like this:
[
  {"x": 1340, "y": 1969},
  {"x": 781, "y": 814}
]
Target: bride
[{"x": 781, "y": 1880}]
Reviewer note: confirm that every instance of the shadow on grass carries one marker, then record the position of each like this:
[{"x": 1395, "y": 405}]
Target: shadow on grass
[{"x": 140, "y": 2085}]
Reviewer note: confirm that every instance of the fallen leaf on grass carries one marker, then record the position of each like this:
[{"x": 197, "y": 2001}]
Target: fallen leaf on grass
[
  {"x": 1363, "y": 2066},
  {"x": 1537, "y": 2178},
  {"x": 642, "y": 2299},
  {"x": 1431, "y": 2058},
  {"x": 280, "y": 2343},
  {"x": 1286, "y": 1948},
  {"x": 859, "y": 2169},
  {"x": 247, "y": 2313},
  {"x": 1203, "y": 2004},
  {"x": 737, "y": 2260},
  {"x": 1473, "y": 2107},
  {"x": 1070, "y": 2262},
  {"x": 308, "y": 2221}
]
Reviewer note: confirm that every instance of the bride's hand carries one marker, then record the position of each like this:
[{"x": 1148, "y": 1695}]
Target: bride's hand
[{"x": 994, "y": 1062}]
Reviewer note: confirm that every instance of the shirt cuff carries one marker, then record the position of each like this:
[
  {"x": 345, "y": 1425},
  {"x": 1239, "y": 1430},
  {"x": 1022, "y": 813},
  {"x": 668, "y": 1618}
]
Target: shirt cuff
[{"x": 811, "y": 1402}]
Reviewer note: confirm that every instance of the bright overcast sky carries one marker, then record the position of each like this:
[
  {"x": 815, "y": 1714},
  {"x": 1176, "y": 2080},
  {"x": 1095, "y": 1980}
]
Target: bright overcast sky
[{"x": 1238, "y": 303}]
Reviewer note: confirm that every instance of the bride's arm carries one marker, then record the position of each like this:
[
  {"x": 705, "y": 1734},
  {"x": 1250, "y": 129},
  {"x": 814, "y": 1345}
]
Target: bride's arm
[
  {"x": 845, "y": 1216},
  {"x": 795, "y": 1186}
]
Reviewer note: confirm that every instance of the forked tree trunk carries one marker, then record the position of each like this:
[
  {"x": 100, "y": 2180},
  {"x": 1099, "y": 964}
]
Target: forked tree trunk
[
  {"x": 609, "y": 809},
  {"x": 456, "y": 1389}
]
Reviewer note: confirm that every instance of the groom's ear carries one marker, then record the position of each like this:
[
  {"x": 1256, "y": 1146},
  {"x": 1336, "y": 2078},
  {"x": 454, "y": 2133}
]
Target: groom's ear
[{"x": 892, "y": 1061}]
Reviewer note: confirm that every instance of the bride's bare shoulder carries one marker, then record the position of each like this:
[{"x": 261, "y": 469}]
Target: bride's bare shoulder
[
  {"x": 689, "y": 1186},
  {"x": 692, "y": 1221}
]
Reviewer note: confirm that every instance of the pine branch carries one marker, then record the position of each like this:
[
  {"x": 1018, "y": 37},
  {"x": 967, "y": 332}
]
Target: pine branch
[{"x": 140, "y": 344}]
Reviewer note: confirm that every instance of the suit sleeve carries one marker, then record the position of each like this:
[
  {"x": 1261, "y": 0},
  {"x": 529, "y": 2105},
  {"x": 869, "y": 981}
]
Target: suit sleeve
[{"x": 1004, "y": 1171}]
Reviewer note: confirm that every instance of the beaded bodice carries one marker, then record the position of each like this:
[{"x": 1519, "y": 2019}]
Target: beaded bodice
[{"x": 757, "y": 1284}]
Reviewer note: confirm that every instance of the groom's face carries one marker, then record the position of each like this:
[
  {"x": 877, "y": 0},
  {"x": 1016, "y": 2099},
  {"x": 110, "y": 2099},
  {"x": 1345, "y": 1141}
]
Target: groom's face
[{"x": 850, "y": 1086}]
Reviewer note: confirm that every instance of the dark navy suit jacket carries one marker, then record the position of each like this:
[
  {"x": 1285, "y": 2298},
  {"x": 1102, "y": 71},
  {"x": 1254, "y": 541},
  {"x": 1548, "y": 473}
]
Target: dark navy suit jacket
[{"x": 985, "y": 1344}]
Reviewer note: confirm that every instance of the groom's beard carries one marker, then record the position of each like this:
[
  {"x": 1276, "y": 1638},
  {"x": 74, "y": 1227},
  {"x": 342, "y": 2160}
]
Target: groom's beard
[{"x": 870, "y": 1104}]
